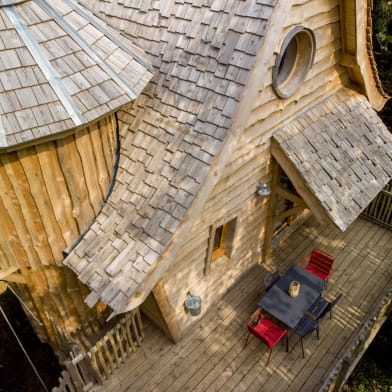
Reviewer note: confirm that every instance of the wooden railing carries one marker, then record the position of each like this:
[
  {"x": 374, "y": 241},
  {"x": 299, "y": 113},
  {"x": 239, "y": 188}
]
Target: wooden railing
[
  {"x": 66, "y": 384},
  {"x": 113, "y": 349},
  {"x": 98, "y": 363},
  {"x": 71, "y": 380},
  {"x": 380, "y": 209}
]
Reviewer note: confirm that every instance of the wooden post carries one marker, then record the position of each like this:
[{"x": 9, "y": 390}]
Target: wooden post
[
  {"x": 269, "y": 226},
  {"x": 211, "y": 239},
  {"x": 308, "y": 197},
  {"x": 167, "y": 311}
]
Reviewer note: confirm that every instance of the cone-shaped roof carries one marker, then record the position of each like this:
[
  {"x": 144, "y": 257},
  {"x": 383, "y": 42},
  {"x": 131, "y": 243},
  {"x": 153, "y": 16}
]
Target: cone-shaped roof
[{"x": 61, "y": 66}]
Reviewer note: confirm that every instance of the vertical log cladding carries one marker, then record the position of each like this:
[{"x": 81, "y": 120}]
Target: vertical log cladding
[{"x": 49, "y": 194}]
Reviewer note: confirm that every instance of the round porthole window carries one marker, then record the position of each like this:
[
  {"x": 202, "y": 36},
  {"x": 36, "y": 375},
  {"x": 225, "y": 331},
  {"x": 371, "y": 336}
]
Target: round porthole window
[{"x": 293, "y": 62}]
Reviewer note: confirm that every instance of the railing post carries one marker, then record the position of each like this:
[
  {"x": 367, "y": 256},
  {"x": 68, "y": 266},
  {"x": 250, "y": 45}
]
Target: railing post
[{"x": 88, "y": 368}]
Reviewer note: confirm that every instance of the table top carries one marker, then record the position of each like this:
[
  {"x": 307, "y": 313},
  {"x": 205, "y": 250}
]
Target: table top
[{"x": 285, "y": 308}]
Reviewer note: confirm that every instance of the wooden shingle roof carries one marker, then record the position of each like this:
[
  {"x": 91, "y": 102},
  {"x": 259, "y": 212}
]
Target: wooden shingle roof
[
  {"x": 202, "y": 52},
  {"x": 342, "y": 153},
  {"x": 61, "y": 66}
]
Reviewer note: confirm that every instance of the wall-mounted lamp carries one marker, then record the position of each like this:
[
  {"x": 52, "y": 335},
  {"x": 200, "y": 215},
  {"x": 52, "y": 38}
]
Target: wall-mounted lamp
[{"x": 263, "y": 189}]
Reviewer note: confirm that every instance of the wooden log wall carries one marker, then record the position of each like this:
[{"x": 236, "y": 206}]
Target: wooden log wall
[
  {"x": 49, "y": 194},
  {"x": 235, "y": 194}
]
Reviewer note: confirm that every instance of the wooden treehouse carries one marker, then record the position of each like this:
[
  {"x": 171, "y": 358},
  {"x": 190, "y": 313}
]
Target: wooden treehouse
[{"x": 150, "y": 150}]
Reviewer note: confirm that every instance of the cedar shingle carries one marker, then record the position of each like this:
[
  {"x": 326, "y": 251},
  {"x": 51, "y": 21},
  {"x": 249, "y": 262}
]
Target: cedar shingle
[
  {"x": 167, "y": 147},
  {"x": 342, "y": 163},
  {"x": 69, "y": 59}
]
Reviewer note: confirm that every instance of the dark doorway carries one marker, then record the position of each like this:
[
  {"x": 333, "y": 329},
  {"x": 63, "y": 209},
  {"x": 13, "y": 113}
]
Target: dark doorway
[{"x": 16, "y": 373}]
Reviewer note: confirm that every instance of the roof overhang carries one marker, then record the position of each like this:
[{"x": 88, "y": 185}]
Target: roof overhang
[
  {"x": 62, "y": 69},
  {"x": 357, "y": 49},
  {"x": 338, "y": 155}
]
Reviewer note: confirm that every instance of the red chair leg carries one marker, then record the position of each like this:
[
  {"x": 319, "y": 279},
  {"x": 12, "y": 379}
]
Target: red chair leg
[
  {"x": 269, "y": 357},
  {"x": 246, "y": 341}
]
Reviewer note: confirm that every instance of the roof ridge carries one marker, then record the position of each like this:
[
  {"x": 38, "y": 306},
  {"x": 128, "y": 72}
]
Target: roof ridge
[
  {"x": 61, "y": 70},
  {"x": 93, "y": 53},
  {"x": 49, "y": 71},
  {"x": 102, "y": 30}
]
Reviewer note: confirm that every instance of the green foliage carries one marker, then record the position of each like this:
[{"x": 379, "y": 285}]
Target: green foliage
[
  {"x": 374, "y": 371},
  {"x": 382, "y": 19},
  {"x": 382, "y": 43}
]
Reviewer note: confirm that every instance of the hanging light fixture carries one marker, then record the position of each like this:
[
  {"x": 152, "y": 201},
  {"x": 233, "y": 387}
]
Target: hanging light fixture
[{"x": 263, "y": 189}]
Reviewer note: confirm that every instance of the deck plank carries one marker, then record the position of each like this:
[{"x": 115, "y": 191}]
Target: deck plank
[
  {"x": 211, "y": 357},
  {"x": 339, "y": 330}
]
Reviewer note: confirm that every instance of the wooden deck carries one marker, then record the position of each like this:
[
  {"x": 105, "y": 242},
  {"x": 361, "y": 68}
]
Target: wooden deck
[{"x": 211, "y": 357}]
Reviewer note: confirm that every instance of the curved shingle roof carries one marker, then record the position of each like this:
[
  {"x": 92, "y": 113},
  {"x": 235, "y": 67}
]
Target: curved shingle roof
[
  {"x": 203, "y": 52},
  {"x": 61, "y": 66}
]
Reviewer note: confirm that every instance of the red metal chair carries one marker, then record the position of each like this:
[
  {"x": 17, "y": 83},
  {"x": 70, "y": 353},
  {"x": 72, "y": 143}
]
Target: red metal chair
[
  {"x": 266, "y": 331},
  {"x": 319, "y": 263}
]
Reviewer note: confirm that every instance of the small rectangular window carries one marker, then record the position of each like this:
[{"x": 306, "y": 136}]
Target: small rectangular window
[
  {"x": 218, "y": 248},
  {"x": 220, "y": 242}
]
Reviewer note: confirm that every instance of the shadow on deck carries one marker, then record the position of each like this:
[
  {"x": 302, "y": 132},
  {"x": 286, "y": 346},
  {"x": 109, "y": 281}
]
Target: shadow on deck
[{"x": 211, "y": 357}]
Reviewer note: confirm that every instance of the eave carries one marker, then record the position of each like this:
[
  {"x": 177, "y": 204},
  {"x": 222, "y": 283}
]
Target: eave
[
  {"x": 338, "y": 156},
  {"x": 357, "y": 50}
]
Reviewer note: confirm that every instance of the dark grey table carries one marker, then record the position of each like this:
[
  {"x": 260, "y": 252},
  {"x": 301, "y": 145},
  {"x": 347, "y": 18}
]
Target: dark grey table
[{"x": 285, "y": 308}]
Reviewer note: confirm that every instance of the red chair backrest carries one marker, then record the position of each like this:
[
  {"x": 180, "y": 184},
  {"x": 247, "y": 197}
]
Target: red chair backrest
[
  {"x": 258, "y": 334},
  {"x": 321, "y": 260},
  {"x": 265, "y": 330}
]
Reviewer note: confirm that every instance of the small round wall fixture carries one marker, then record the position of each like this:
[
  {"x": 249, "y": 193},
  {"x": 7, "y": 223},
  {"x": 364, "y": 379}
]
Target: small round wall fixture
[
  {"x": 263, "y": 189},
  {"x": 294, "y": 61}
]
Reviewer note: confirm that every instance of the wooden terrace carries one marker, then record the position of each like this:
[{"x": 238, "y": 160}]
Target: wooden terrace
[{"x": 211, "y": 357}]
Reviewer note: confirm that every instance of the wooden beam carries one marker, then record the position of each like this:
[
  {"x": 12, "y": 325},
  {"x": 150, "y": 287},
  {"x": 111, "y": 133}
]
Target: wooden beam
[
  {"x": 387, "y": 193},
  {"x": 11, "y": 275},
  {"x": 298, "y": 182},
  {"x": 287, "y": 213},
  {"x": 269, "y": 227},
  {"x": 290, "y": 196},
  {"x": 355, "y": 25},
  {"x": 211, "y": 240},
  {"x": 167, "y": 311},
  {"x": 15, "y": 278},
  {"x": 348, "y": 60},
  {"x": 9, "y": 271}
]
